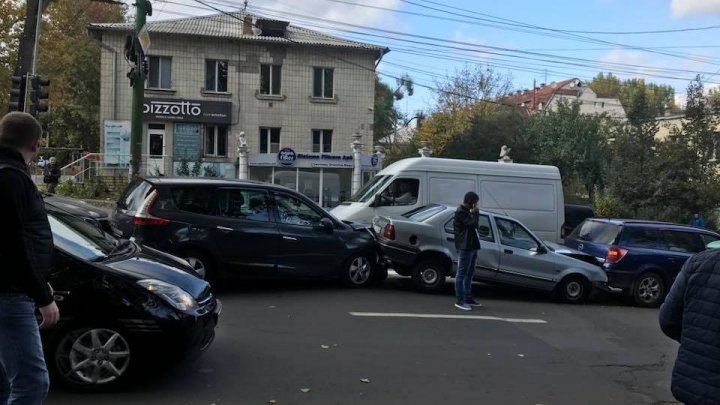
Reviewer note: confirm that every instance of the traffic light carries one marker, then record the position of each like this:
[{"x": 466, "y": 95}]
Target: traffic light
[
  {"x": 17, "y": 93},
  {"x": 38, "y": 94}
]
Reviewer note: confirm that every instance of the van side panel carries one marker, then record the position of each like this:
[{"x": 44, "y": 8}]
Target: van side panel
[
  {"x": 449, "y": 188},
  {"x": 531, "y": 201}
]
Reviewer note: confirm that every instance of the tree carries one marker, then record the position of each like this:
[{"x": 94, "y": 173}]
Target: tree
[
  {"x": 576, "y": 143},
  {"x": 469, "y": 86},
  {"x": 660, "y": 98},
  {"x": 11, "y": 21},
  {"x": 386, "y": 115}
]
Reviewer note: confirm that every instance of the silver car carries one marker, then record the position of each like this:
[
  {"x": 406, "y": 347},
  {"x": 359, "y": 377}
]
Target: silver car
[{"x": 420, "y": 244}]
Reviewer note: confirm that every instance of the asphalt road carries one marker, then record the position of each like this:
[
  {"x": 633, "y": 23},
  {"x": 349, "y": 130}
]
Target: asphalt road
[{"x": 276, "y": 339}]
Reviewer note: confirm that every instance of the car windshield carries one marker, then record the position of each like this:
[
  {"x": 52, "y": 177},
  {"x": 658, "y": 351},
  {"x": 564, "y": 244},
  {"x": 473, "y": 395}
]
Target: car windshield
[
  {"x": 79, "y": 238},
  {"x": 597, "y": 232},
  {"x": 368, "y": 192},
  {"x": 424, "y": 213}
]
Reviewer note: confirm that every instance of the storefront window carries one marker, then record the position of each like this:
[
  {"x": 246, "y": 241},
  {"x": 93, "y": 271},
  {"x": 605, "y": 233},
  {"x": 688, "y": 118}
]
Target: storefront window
[
  {"x": 286, "y": 178},
  {"x": 310, "y": 183},
  {"x": 260, "y": 173},
  {"x": 337, "y": 185}
]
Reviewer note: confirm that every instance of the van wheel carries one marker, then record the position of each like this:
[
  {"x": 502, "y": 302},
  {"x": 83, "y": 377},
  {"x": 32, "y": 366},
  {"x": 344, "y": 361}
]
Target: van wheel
[
  {"x": 574, "y": 289},
  {"x": 649, "y": 290},
  {"x": 201, "y": 263},
  {"x": 357, "y": 272},
  {"x": 429, "y": 276}
]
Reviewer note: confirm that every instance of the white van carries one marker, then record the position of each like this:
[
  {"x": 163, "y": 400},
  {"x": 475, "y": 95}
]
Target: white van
[{"x": 533, "y": 194}]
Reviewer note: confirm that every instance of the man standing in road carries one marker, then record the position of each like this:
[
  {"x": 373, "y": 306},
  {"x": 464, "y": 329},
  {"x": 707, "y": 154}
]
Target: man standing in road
[
  {"x": 26, "y": 247},
  {"x": 467, "y": 243},
  {"x": 691, "y": 315}
]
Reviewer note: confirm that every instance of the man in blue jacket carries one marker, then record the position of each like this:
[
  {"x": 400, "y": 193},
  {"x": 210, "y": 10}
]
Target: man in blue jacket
[{"x": 691, "y": 315}]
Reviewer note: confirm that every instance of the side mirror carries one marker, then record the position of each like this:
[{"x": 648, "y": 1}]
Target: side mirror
[
  {"x": 541, "y": 250},
  {"x": 377, "y": 201},
  {"x": 325, "y": 224}
]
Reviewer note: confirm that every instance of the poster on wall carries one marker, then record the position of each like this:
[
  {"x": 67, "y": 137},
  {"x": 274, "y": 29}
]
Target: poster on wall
[
  {"x": 117, "y": 143},
  {"x": 187, "y": 141}
]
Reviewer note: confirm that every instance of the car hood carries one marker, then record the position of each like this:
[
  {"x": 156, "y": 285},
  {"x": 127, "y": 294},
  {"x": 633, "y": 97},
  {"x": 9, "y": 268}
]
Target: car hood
[
  {"x": 573, "y": 253},
  {"x": 148, "y": 263},
  {"x": 75, "y": 207}
]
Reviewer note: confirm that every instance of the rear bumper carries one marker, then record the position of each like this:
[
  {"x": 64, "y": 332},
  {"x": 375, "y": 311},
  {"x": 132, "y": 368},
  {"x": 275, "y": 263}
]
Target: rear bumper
[
  {"x": 397, "y": 255},
  {"x": 621, "y": 280}
]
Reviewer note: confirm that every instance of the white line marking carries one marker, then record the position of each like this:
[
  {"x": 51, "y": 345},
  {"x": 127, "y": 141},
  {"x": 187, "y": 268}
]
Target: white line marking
[{"x": 444, "y": 316}]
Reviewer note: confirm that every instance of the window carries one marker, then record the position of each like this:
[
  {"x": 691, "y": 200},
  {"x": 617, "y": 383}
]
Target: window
[
  {"x": 216, "y": 75},
  {"x": 269, "y": 140},
  {"x": 682, "y": 242},
  {"x": 270, "y": 79},
  {"x": 215, "y": 141},
  {"x": 597, "y": 232},
  {"x": 708, "y": 239},
  {"x": 400, "y": 192},
  {"x": 136, "y": 194},
  {"x": 243, "y": 204},
  {"x": 368, "y": 191},
  {"x": 198, "y": 200},
  {"x": 513, "y": 234},
  {"x": 485, "y": 232},
  {"x": 160, "y": 76},
  {"x": 293, "y": 211},
  {"x": 323, "y": 82},
  {"x": 639, "y": 237},
  {"x": 424, "y": 213},
  {"x": 322, "y": 140},
  {"x": 80, "y": 238}
]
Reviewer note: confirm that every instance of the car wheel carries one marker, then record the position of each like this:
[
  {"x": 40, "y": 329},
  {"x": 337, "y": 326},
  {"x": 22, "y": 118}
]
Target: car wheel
[
  {"x": 574, "y": 289},
  {"x": 649, "y": 290},
  {"x": 92, "y": 358},
  {"x": 429, "y": 276},
  {"x": 358, "y": 271},
  {"x": 201, "y": 263}
]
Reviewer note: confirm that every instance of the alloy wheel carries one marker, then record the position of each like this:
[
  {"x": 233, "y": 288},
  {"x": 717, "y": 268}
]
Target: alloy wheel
[
  {"x": 359, "y": 271},
  {"x": 198, "y": 266},
  {"x": 93, "y": 356},
  {"x": 649, "y": 289}
]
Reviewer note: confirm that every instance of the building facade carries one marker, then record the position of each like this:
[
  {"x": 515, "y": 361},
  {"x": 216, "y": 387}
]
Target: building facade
[
  {"x": 547, "y": 97},
  {"x": 287, "y": 100}
]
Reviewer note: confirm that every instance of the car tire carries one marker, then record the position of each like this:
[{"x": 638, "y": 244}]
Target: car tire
[
  {"x": 649, "y": 290},
  {"x": 201, "y": 263},
  {"x": 429, "y": 276},
  {"x": 91, "y": 358},
  {"x": 574, "y": 289},
  {"x": 358, "y": 271}
]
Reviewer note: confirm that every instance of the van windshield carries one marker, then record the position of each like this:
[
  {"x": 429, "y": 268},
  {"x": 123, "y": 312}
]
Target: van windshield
[{"x": 367, "y": 193}]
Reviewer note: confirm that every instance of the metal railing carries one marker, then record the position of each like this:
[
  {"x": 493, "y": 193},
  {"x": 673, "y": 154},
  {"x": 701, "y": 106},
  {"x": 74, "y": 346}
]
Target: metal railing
[{"x": 98, "y": 164}]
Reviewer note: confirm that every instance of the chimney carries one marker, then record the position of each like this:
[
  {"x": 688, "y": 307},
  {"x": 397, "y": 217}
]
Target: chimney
[{"x": 247, "y": 25}]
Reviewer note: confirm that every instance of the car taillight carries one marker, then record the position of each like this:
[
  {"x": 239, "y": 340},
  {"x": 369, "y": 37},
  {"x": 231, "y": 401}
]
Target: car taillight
[
  {"x": 389, "y": 232},
  {"x": 615, "y": 254},
  {"x": 143, "y": 216}
]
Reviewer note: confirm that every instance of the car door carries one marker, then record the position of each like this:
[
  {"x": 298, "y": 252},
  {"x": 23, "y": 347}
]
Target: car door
[
  {"x": 679, "y": 246},
  {"x": 245, "y": 233},
  {"x": 488, "y": 260},
  {"x": 523, "y": 261},
  {"x": 306, "y": 248}
]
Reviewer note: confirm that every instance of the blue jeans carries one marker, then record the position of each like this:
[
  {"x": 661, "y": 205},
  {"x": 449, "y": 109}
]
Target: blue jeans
[
  {"x": 23, "y": 374},
  {"x": 464, "y": 275}
]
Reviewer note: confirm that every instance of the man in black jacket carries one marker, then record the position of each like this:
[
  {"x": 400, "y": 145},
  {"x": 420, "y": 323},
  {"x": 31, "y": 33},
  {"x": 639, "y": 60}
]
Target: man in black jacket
[
  {"x": 691, "y": 315},
  {"x": 26, "y": 248},
  {"x": 467, "y": 243}
]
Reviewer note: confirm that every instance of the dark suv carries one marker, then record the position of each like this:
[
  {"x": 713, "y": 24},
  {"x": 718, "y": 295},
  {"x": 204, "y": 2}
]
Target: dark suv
[
  {"x": 231, "y": 228},
  {"x": 640, "y": 257}
]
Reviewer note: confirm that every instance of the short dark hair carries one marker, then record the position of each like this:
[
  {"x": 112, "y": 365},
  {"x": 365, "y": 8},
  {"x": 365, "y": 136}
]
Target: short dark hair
[
  {"x": 19, "y": 130},
  {"x": 471, "y": 197}
]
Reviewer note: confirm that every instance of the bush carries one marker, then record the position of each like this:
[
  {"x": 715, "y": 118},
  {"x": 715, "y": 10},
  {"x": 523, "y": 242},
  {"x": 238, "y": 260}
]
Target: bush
[
  {"x": 94, "y": 189},
  {"x": 607, "y": 205}
]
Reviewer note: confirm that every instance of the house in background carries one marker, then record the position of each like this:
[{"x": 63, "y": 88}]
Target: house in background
[{"x": 546, "y": 97}]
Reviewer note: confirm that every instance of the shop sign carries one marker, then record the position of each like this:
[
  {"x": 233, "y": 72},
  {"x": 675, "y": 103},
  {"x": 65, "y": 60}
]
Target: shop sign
[
  {"x": 198, "y": 111},
  {"x": 287, "y": 157}
]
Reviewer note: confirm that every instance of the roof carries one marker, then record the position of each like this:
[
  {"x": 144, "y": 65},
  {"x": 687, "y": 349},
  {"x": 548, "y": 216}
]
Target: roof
[
  {"x": 473, "y": 167},
  {"x": 232, "y": 26},
  {"x": 620, "y": 221},
  {"x": 544, "y": 94}
]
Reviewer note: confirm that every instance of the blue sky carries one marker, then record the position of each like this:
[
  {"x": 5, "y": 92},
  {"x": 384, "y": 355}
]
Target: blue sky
[{"x": 692, "y": 52}]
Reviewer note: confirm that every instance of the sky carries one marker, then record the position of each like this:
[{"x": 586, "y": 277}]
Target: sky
[{"x": 540, "y": 41}]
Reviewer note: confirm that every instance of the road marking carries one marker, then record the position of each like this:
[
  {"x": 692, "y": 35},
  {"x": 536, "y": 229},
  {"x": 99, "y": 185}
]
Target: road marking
[{"x": 444, "y": 316}]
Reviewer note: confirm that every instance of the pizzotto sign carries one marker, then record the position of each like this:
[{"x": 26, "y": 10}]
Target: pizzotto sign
[{"x": 206, "y": 112}]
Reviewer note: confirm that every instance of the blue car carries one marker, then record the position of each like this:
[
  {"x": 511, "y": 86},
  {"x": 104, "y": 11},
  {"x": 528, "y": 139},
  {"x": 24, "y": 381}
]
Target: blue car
[{"x": 641, "y": 258}]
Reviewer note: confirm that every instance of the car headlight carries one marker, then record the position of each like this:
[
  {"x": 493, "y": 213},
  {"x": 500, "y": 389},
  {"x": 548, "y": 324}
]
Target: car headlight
[{"x": 172, "y": 294}]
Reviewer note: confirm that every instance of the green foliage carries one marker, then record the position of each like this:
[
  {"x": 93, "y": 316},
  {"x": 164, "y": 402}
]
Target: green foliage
[
  {"x": 94, "y": 188},
  {"x": 184, "y": 169},
  {"x": 197, "y": 166},
  {"x": 607, "y": 205},
  {"x": 210, "y": 171},
  {"x": 660, "y": 98}
]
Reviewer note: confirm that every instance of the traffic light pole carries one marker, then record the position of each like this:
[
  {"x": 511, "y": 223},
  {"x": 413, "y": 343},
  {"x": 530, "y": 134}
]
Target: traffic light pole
[
  {"x": 37, "y": 36},
  {"x": 138, "y": 96}
]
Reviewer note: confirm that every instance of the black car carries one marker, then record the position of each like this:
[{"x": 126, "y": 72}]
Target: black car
[
  {"x": 81, "y": 209},
  {"x": 231, "y": 228},
  {"x": 120, "y": 304}
]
